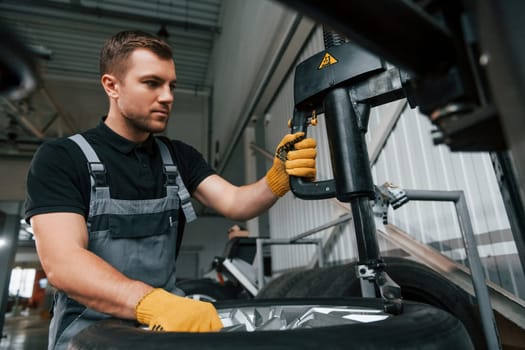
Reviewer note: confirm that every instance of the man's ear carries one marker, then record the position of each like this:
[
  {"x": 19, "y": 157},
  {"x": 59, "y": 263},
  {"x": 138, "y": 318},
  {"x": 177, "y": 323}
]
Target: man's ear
[{"x": 110, "y": 85}]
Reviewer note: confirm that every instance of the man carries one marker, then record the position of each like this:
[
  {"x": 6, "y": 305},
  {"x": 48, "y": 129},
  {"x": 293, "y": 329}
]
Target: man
[{"x": 106, "y": 205}]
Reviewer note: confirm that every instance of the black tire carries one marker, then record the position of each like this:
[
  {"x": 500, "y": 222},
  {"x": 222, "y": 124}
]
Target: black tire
[
  {"x": 282, "y": 285},
  {"x": 207, "y": 289},
  {"x": 320, "y": 282},
  {"x": 418, "y": 283},
  {"x": 418, "y": 327}
]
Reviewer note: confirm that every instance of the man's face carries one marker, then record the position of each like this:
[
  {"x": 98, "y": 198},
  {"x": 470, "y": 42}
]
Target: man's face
[{"x": 145, "y": 93}]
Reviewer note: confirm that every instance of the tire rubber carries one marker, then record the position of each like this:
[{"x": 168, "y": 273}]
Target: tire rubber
[
  {"x": 420, "y": 326},
  {"x": 418, "y": 283}
]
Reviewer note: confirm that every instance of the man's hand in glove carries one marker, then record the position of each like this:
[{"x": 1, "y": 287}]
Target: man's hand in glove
[
  {"x": 163, "y": 311},
  {"x": 295, "y": 155}
]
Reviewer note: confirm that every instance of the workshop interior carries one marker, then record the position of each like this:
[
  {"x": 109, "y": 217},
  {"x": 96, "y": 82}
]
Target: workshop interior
[{"x": 412, "y": 236}]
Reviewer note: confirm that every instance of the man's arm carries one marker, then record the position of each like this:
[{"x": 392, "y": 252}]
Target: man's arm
[
  {"x": 294, "y": 155},
  {"x": 61, "y": 242},
  {"x": 235, "y": 202}
]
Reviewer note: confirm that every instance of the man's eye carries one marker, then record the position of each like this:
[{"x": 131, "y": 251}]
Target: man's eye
[
  {"x": 151, "y": 83},
  {"x": 172, "y": 87}
]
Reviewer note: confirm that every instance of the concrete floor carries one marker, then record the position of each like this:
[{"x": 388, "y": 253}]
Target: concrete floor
[{"x": 24, "y": 332}]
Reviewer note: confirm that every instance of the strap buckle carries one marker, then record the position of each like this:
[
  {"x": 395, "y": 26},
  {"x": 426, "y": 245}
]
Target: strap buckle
[
  {"x": 171, "y": 173},
  {"x": 98, "y": 174}
]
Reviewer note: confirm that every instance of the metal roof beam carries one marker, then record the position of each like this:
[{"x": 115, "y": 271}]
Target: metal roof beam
[{"x": 187, "y": 25}]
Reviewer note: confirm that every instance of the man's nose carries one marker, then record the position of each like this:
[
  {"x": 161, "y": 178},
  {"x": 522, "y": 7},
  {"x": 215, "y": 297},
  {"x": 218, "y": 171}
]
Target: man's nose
[{"x": 166, "y": 95}]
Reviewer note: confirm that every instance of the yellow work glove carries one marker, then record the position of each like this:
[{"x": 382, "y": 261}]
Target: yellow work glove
[
  {"x": 295, "y": 155},
  {"x": 163, "y": 311}
]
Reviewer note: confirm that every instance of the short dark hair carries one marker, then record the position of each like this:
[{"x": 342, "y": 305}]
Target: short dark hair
[{"x": 119, "y": 47}]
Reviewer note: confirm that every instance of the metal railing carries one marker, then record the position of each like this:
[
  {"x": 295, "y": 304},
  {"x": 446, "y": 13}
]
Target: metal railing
[
  {"x": 467, "y": 233},
  {"x": 298, "y": 239}
]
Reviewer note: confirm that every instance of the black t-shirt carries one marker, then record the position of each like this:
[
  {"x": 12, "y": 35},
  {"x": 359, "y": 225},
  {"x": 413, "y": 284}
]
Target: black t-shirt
[{"x": 59, "y": 181}]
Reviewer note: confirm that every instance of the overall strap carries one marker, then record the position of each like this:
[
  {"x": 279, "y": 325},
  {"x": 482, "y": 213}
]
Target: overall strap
[
  {"x": 96, "y": 168},
  {"x": 173, "y": 178}
]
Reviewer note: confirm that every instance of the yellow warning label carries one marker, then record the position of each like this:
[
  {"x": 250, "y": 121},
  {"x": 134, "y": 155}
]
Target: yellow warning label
[{"x": 327, "y": 60}]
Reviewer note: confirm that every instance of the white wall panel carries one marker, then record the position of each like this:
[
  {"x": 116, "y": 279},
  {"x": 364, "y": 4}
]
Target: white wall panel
[
  {"x": 242, "y": 55},
  {"x": 410, "y": 160}
]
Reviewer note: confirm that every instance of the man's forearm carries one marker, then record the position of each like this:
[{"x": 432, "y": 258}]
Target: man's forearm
[
  {"x": 295, "y": 155},
  {"x": 252, "y": 200},
  {"x": 61, "y": 240},
  {"x": 235, "y": 202},
  {"x": 101, "y": 287}
]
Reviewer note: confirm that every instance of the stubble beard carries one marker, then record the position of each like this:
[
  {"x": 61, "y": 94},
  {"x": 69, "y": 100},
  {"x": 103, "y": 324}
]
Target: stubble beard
[{"x": 146, "y": 124}]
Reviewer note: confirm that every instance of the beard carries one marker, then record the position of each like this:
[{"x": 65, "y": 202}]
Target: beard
[{"x": 146, "y": 124}]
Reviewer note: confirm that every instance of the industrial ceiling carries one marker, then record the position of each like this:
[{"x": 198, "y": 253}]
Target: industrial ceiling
[{"x": 67, "y": 36}]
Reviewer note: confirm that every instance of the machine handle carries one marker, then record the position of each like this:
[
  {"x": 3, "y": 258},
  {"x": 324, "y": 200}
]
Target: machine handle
[{"x": 304, "y": 189}]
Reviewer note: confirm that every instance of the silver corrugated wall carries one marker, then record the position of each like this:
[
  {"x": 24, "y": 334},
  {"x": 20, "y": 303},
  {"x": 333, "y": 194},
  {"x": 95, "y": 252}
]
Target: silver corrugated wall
[{"x": 409, "y": 159}]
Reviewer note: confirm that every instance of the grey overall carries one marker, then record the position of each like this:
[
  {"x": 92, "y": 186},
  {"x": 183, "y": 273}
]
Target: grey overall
[{"x": 137, "y": 237}]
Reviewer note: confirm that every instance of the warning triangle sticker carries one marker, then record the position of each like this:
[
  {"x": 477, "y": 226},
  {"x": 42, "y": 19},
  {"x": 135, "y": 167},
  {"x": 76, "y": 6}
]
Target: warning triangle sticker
[{"x": 327, "y": 61}]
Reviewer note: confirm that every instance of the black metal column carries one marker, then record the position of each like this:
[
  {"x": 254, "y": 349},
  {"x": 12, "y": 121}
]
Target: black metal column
[
  {"x": 365, "y": 229},
  {"x": 9, "y": 227},
  {"x": 353, "y": 177},
  {"x": 512, "y": 194}
]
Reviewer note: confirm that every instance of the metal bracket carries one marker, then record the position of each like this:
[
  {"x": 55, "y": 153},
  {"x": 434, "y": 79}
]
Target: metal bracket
[
  {"x": 372, "y": 274},
  {"x": 385, "y": 195}
]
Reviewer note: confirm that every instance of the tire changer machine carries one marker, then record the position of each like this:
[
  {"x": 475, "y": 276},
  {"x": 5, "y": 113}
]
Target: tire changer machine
[{"x": 344, "y": 82}]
